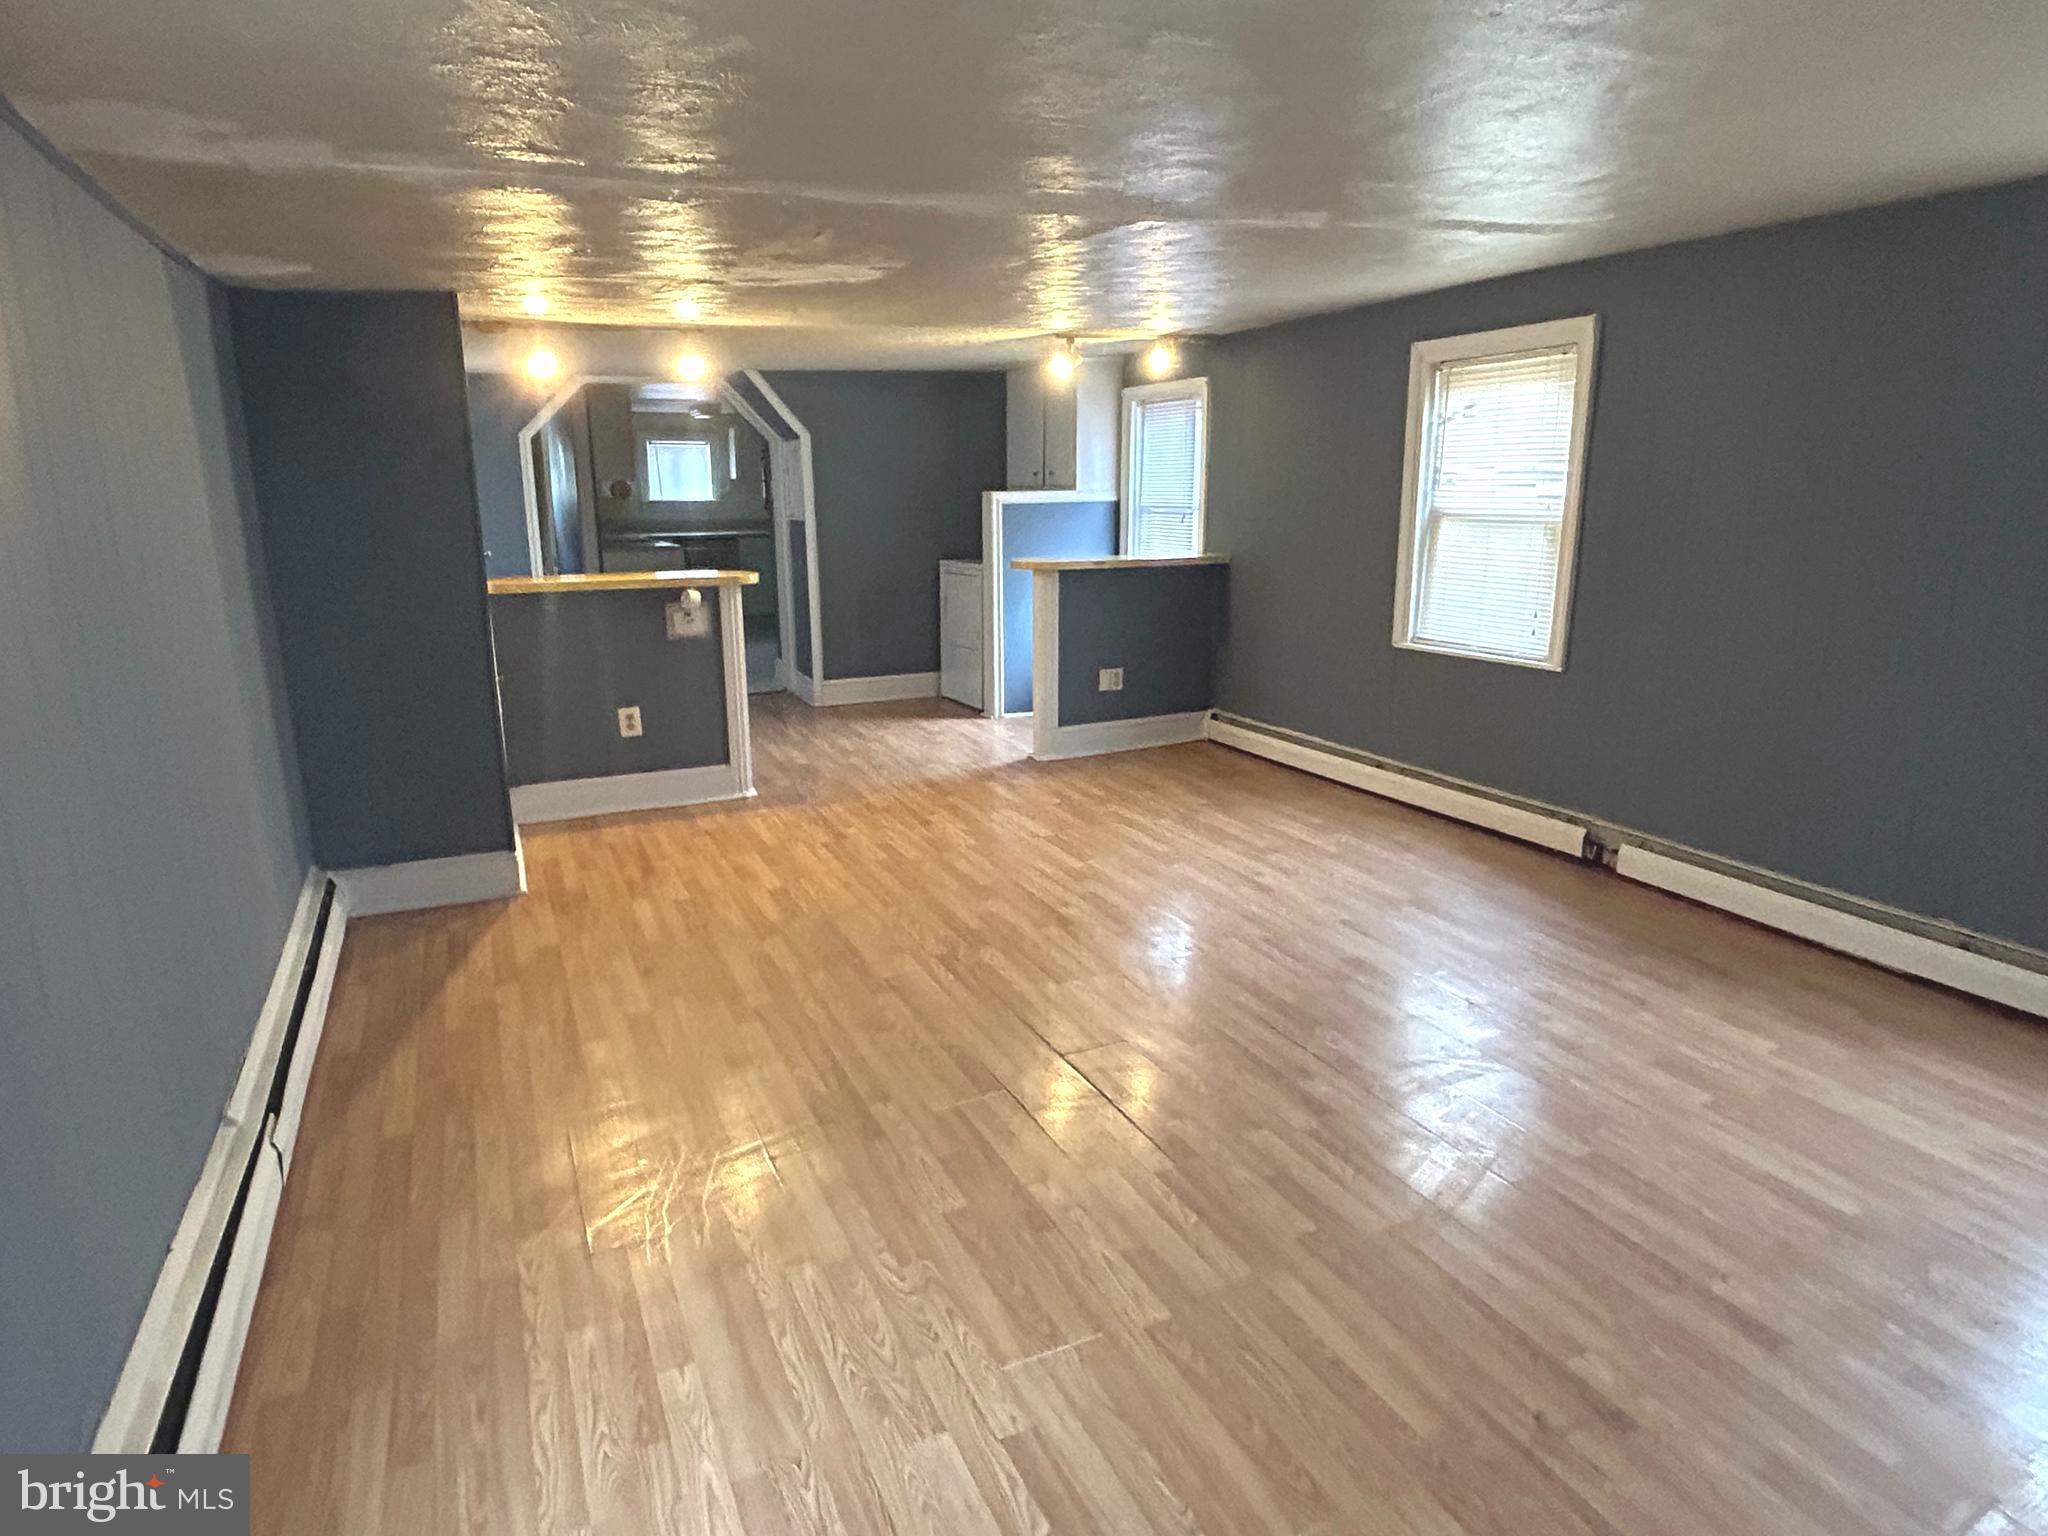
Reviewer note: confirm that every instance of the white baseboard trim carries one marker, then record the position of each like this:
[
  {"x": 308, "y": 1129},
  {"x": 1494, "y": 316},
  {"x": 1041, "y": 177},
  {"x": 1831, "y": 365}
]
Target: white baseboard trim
[
  {"x": 566, "y": 799},
  {"x": 137, "y": 1404},
  {"x": 801, "y": 685},
  {"x": 1560, "y": 834},
  {"x": 452, "y": 882},
  {"x": 1102, "y": 736},
  {"x": 1896, "y": 949},
  {"x": 877, "y": 690}
]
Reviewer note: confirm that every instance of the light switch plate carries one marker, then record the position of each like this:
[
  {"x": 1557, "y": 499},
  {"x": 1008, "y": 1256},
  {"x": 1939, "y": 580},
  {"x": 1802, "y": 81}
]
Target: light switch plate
[
  {"x": 629, "y": 720},
  {"x": 1110, "y": 680}
]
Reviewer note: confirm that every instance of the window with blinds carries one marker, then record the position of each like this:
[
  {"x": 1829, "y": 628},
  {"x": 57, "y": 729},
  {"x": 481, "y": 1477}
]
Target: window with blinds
[
  {"x": 679, "y": 469},
  {"x": 1496, "y": 431},
  {"x": 1165, "y": 471}
]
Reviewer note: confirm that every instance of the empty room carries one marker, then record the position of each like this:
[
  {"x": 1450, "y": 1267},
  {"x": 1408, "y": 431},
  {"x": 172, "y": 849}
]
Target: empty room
[{"x": 1267, "y": 770}]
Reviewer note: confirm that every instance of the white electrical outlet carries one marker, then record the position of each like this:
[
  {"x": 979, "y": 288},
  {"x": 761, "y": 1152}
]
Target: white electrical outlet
[
  {"x": 1110, "y": 680},
  {"x": 629, "y": 720}
]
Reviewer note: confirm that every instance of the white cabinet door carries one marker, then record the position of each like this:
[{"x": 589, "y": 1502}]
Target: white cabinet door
[
  {"x": 1063, "y": 437},
  {"x": 1024, "y": 415},
  {"x": 1098, "y": 424},
  {"x": 959, "y": 597},
  {"x": 1060, "y": 439}
]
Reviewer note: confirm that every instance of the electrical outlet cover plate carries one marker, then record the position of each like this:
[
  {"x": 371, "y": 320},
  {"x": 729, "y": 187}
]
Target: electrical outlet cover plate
[
  {"x": 1109, "y": 680},
  {"x": 629, "y": 720}
]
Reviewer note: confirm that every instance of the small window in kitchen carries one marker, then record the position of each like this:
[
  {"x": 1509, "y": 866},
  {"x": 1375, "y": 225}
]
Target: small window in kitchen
[
  {"x": 1166, "y": 449},
  {"x": 1490, "y": 492},
  {"x": 679, "y": 469}
]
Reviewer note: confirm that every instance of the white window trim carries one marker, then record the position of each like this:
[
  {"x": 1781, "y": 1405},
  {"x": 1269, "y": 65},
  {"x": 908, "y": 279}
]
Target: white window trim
[
  {"x": 1424, "y": 358},
  {"x": 1171, "y": 389}
]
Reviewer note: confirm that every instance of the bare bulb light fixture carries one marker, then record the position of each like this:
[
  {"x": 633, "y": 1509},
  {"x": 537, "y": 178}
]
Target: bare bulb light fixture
[
  {"x": 1059, "y": 365},
  {"x": 691, "y": 367},
  {"x": 542, "y": 364},
  {"x": 1160, "y": 358}
]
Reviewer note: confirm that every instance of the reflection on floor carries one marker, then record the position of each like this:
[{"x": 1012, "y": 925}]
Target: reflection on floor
[{"x": 1164, "y": 1142}]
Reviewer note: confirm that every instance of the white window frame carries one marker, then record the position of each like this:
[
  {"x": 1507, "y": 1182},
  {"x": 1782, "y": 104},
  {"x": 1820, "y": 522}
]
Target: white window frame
[
  {"x": 1134, "y": 395},
  {"x": 1424, "y": 358},
  {"x": 650, "y": 443}
]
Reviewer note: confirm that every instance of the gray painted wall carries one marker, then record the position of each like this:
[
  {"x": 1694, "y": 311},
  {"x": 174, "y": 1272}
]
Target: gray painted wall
[
  {"x": 1161, "y": 625},
  {"x": 614, "y": 459},
  {"x": 1810, "y": 629},
  {"x": 1063, "y": 530},
  {"x": 800, "y": 595},
  {"x": 900, "y": 461},
  {"x": 151, "y": 844},
  {"x": 1191, "y": 361},
  {"x": 358, "y": 432},
  {"x": 500, "y": 406},
  {"x": 567, "y": 663}
]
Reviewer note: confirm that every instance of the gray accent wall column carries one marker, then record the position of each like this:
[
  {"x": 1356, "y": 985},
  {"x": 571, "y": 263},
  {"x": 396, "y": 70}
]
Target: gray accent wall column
[
  {"x": 152, "y": 849},
  {"x": 359, "y": 446},
  {"x": 500, "y": 406}
]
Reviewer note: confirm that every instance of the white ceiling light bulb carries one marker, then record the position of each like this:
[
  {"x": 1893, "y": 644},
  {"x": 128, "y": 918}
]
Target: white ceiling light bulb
[
  {"x": 1060, "y": 364},
  {"x": 535, "y": 302},
  {"x": 1159, "y": 359},
  {"x": 542, "y": 364},
  {"x": 691, "y": 367}
]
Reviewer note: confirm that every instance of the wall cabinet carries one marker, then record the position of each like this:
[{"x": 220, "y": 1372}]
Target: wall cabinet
[
  {"x": 1024, "y": 410},
  {"x": 1063, "y": 437}
]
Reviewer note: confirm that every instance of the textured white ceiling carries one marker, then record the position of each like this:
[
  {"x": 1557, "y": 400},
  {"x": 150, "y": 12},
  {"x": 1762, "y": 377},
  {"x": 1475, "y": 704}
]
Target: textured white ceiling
[{"x": 937, "y": 180}]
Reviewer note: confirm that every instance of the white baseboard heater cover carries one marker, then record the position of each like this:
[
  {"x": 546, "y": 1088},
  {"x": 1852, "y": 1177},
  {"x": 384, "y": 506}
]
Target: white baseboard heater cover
[
  {"x": 179, "y": 1378},
  {"x": 1897, "y": 941},
  {"x": 1944, "y": 961},
  {"x": 1468, "y": 803}
]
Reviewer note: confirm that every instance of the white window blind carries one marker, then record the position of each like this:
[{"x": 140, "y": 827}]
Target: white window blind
[
  {"x": 679, "y": 470},
  {"x": 1166, "y": 476},
  {"x": 1490, "y": 510}
]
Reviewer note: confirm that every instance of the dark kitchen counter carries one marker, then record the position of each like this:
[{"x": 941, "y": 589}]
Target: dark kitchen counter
[{"x": 665, "y": 538}]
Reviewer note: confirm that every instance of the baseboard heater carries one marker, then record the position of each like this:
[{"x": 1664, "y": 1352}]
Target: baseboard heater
[
  {"x": 1924, "y": 948},
  {"x": 179, "y": 1378},
  {"x": 1529, "y": 821}
]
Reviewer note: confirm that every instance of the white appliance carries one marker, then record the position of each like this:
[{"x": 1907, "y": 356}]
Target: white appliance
[{"x": 960, "y": 638}]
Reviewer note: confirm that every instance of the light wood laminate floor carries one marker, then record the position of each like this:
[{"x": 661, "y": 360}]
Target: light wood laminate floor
[{"x": 1166, "y": 1142}]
